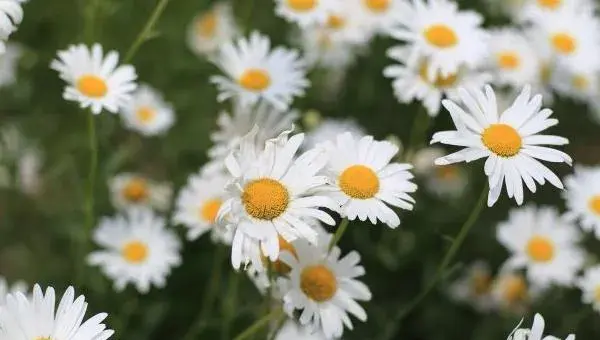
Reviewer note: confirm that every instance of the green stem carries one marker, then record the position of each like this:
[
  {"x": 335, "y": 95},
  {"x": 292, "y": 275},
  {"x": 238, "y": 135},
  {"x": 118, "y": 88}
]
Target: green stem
[
  {"x": 417, "y": 133},
  {"x": 93, "y": 143},
  {"x": 230, "y": 305},
  {"x": 249, "y": 15},
  {"x": 145, "y": 34},
  {"x": 89, "y": 20},
  {"x": 260, "y": 323},
  {"x": 209, "y": 296},
  {"x": 442, "y": 268},
  {"x": 339, "y": 233}
]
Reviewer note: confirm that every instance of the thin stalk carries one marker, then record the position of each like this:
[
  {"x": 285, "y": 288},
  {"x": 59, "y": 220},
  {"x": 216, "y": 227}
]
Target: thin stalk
[
  {"x": 93, "y": 144},
  {"x": 442, "y": 268},
  {"x": 418, "y": 132},
  {"x": 230, "y": 305},
  {"x": 339, "y": 233},
  {"x": 260, "y": 323},
  {"x": 146, "y": 32}
]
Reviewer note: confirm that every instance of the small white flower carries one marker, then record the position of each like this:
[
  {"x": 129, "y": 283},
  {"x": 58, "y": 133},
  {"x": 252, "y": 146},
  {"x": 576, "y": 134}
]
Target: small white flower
[
  {"x": 583, "y": 198},
  {"x": 137, "y": 249},
  {"x": 93, "y": 79},
  {"x": 321, "y": 49},
  {"x": 364, "y": 182},
  {"x": 148, "y": 113},
  {"x": 474, "y": 287},
  {"x": 330, "y": 128},
  {"x": 20, "y": 161},
  {"x": 211, "y": 29},
  {"x": 381, "y": 15},
  {"x": 589, "y": 284},
  {"x": 443, "y": 180},
  {"x": 579, "y": 84},
  {"x": 508, "y": 139},
  {"x": 37, "y": 318},
  {"x": 511, "y": 292},
  {"x": 513, "y": 59},
  {"x": 543, "y": 243},
  {"x": 324, "y": 286},
  {"x": 535, "y": 10},
  {"x": 5, "y": 289},
  {"x": 198, "y": 204},
  {"x": 535, "y": 333},
  {"x": 292, "y": 331},
  {"x": 254, "y": 71},
  {"x": 347, "y": 25},
  {"x": 134, "y": 190},
  {"x": 306, "y": 12},
  {"x": 11, "y": 15}
]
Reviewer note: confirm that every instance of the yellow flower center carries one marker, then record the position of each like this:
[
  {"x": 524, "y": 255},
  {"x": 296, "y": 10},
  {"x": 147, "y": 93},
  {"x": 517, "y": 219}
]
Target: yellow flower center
[
  {"x": 509, "y": 60},
  {"x": 447, "y": 172},
  {"x": 318, "y": 283},
  {"x": 265, "y": 198},
  {"x": 549, "y": 4},
  {"x": 136, "y": 190},
  {"x": 594, "y": 204},
  {"x": 43, "y": 338},
  {"x": 540, "y": 249},
  {"x": 564, "y": 43},
  {"x": 279, "y": 266},
  {"x": 502, "y": 139},
  {"x": 597, "y": 293},
  {"x": 92, "y": 86},
  {"x": 515, "y": 289},
  {"x": 545, "y": 73},
  {"x": 359, "y": 181},
  {"x": 377, "y": 5},
  {"x": 145, "y": 114},
  {"x": 209, "y": 209},
  {"x": 206, "y": 26},
  {"x": 439, "y": 81},
  {"x": 135, "y": 252},
  {"x": 441, "y": 36},
  {"x": 254, "y": 79},
  {"x": 302, "y": 5},
  {"x": 580, "y": 82},
  {"x": 481, "y": 283},
  {"x": 335, "y": 22}
]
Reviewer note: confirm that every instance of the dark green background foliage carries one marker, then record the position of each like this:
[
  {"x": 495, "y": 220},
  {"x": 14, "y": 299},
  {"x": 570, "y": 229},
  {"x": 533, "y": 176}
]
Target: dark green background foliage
[{"x": 40, "y": 237}]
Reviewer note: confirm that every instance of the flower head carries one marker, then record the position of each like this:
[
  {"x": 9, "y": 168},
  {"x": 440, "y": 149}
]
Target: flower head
[{"x": 148, "y": 113}]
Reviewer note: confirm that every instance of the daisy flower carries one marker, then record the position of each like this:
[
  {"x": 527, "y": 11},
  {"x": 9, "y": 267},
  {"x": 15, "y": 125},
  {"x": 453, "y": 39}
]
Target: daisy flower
[
  {"x": 447, "y": 37},
  {"x": 271, "y": 194},
  {"x": 535, "y": 333},
  {"x": 536, "y": 10},
  {"x": 11, "y": 15},
  {"x": 231, "y": 127},
  {"x": 254, "y": 71},
  {"x": 543, "y": 243},
  {"x": 93, "y": 79},
  {"x": 292, "y": 331},
  {"x": 321, "y": 49},
  {"x": 509, "y": 140},
  {"x": 129, "y": 189},
  {"x": 323, "y": 285},
  {"x": 148, "y": 113},
  {"x": 474, "y": 287},
  {"x": 513, "y": 60},
  {"x": 8, "y": 64},
  {"x": 330, "y": 128},
  {"x": 20, "y": 161},
  {"x": 511, "y": 292},
  {"x": 443, "y": 180},
  {"x": 5, "y": 289},
  {"x": 137, "y": 249},
  {"x": 581, "y": 85},
  {"x": 412, "y": 81},
  {"x": 583, "y": 198},
  {"x": 211, "y": 29},
  {"x": 364, "y": 182},
  {"x": 589, "y": 284},
  {"x": 197, "y": 206},
  {"x": 381, "y": 15},
  {"x": 348, "y": 25},
  {"x": 306, "y": 13},
  {"x": 36, "y": 317}
]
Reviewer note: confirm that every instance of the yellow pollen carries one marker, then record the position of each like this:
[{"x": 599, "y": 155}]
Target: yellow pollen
[
  {"x": 540, "y": 249},
  {"x": 145, "y": 114},
  {"x": 446, "y": 172},
  {"x": 441, "y": 36},
  {"x": 265, "y": 199},
  {"x": 515, "y": 289},
  {"x": 136, "y": 190},
  {"x": 43, "y": 338},
  {"x": 481, "y": 283},
  {"x": 92, "y": 86},
  {"x": 335, "y": 22},
  {"x": 302, "y": 5},
  {"x": 377, "y": 5},
  {"x": 318, "y": 283},
  {"x": 359, "y": 181},
  {"x": 440, "y": 81},
  {"x": 549, "y": 4},
  {"x": 254, "y": 79},
  {"x": 580, "y": 82},
  {"x": 508, "y": 60},
  {"x": 209, "y": 209},
  {"x": 279, "y": 266},
  {"x": 502, "y": 139},
  {"x": 564, "y": 43},
  {"x": 135, "y": 252},
  {"x": 206, "y": 26},
  {"x": 594, "y": 204}
]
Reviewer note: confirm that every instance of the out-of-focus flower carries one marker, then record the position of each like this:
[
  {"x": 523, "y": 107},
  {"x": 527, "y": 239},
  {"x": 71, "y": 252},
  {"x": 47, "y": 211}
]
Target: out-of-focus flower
[
  {"x": 321, "y": 49},
  {"x": 292, "y": 331},
  {"x": 11, "y": 15},
  {"x": 583, "y": 198},
  {"x": 581, "y": 85},
  {"x": 381, "y": 15},
  {"x": 17, "y": 153},
  {"x": 347, "y": 25},
  {"x": 536, "y": 10},
  {"x": 323, "y": 285},
  {"x": 447, "y": 37},
  {"x": 271, "y": 193},
  {"x": 508, "y": 8},
  {"x": 535, "y": 333},
  {"x": 411, "y": 81},
  {"x": 306, "y": 13},
  {"x": 443, "y": 180},
  {"x": 543, "y": 243},
  {"x": 254, "y": 71},
  {"x": 511, "y": 292},
  {"x": 589, "y": 284},
  {"x": 513, "y": 60},
  {"x": 211, "y": 29},
  {"x": 509, "y": 140},
  {"x": 5, "y": 289},
  {"x": 8, "y": 64},
  {"x": 198, "y": 204},
  {"x": 93, "y": 79},
  {"x": 36, "y": 317},
  {"x": 137, "y": 249},
  {"x": 364, "y": 182},
  {"x": 148, "y": 113},
  {"x": 134, "y": 190},
  {"x": 330, "y": 128},
  {"x": 474, "y": 287}
]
